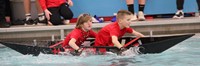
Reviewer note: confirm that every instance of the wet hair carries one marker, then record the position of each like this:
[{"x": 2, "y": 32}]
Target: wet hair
[
  {"x": 82, "y": 19},
  {"x": 122, "y": 13}
]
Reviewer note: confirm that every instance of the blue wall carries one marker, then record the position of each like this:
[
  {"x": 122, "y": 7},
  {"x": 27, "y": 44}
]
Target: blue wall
[{"x": 108, "y": 7}]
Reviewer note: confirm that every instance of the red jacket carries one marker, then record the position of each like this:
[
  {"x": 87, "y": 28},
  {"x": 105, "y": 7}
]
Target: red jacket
[{"x": 51, "y": 3}]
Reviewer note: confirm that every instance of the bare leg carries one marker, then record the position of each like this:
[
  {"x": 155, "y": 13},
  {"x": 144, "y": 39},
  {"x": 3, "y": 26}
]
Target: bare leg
[
  {"x": 39, "y": 9},
  {"x": 129, "y": 2},
  {"x": 27, "y": 8},
  {"x": 41, "y": 17},
  {"x": 142, "y": 2}
]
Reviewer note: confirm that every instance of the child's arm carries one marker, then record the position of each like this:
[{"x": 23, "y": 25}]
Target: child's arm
[
  {"x": 77, "y": 49},
  {"x": 116, "y": 42},
  {"x": 73, "y": 44}
]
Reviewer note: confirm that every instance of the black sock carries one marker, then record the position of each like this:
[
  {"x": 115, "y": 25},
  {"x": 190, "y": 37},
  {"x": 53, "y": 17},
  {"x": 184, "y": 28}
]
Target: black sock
[
  {"x": 141, "y": 7},
  {"x": 131, "y": 8},
  {"x": 179, "y": 4}
]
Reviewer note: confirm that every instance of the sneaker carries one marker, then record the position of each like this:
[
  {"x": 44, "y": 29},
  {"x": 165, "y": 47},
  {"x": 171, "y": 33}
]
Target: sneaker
[
  {"x": 40, "y": 21},
  {"x": 114, "y": 19},
  {"x": 134, "y": 17},
  {"x": 4, "y": 24},
  {"x": 141, "y": 16},
  {"x": 18, "y": 22},
  {"x": 99, "y": 19},
  {"x": 179, "y": 15},
  {"x": 94, "y": 20},
  {"x": 66, "y": 22},
  {"x": 29, "y": 22}
]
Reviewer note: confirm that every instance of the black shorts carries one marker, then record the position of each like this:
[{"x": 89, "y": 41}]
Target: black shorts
[{"x": 62, "y": 11}]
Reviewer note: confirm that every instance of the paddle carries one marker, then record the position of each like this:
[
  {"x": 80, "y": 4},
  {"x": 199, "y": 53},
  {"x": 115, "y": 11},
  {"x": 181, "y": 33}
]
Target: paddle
[
  {"x": 127, "y": 44},
  {"x": 63, "y": 41},
  {"x": 56, "y": 44}
]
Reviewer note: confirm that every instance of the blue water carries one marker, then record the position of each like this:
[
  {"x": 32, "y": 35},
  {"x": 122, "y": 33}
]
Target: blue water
[{"x": 186, "y": 53}]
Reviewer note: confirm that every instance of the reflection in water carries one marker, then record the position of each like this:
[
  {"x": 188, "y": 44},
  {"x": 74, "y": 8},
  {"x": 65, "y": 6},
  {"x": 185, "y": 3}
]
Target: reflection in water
[{"x": 123, "y": 61}]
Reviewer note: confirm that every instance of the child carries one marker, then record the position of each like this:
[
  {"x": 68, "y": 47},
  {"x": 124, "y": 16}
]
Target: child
[
  {"x": 82, "y": 31},
  {"x": 109, "y": 35},
  {"x": 54, "y": 9}
]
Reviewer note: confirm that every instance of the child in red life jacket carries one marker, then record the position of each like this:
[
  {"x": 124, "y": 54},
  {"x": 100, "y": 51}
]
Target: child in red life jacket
[
  {"x": 82, "y": 31},
  {"x": 109, "y": 35}
]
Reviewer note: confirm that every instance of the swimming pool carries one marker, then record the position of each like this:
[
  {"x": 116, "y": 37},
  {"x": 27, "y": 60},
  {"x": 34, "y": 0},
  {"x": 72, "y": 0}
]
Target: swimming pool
[{"x": 185, "y": 53}]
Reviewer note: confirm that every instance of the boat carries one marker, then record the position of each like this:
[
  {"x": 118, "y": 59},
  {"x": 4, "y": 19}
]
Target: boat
[{"x": 147, "y": 45}]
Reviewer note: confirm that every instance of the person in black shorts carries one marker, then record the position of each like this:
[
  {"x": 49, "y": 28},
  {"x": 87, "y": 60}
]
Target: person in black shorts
[{"x": 180, "y": 14}]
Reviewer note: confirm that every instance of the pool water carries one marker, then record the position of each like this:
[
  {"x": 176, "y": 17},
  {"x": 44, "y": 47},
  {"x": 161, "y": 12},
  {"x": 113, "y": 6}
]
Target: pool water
[{"x": 186, "y": 53}]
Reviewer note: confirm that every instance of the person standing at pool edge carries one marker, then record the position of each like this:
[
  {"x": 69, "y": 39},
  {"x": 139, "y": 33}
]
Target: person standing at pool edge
[
  {"x": 179, "y": 5},
  {"x": 27, "y": 8},
  {"x": 109, "y": 35},
  {"x": 130, "y": 5},
  {"x": 82, "y": 31}
]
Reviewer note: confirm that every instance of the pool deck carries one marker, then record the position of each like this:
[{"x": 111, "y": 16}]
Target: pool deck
[{"x": 159, "y": 26}]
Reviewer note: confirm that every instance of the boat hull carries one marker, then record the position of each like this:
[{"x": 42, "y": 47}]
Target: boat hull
[{"x": 147, "y": 45}]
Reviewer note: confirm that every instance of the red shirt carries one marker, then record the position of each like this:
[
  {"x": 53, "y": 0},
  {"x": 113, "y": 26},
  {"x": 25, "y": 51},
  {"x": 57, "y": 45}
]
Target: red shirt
[
  {"x": 51, "y": 3},
  {"x": 103, "y": 38},
  {"x": 79, "y": 35}
]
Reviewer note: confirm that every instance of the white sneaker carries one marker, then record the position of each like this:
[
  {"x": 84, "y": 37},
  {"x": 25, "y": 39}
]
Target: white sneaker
[
  {"x": 179, "y": 15},
  {"x": 66, "y": 22},
  {"x": 134, "y": 17},
  {"x": 141, "y": 16},
  {"x": 94, "y": 20}
]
